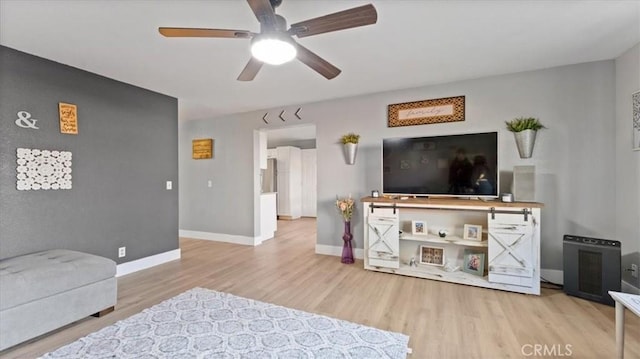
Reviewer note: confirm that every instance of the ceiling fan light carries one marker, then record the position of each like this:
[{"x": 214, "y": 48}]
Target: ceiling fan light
[{"x": 273, "y": 50}]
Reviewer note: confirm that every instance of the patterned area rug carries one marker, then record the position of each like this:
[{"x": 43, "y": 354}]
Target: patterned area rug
[{"x": 203, "y": 323}]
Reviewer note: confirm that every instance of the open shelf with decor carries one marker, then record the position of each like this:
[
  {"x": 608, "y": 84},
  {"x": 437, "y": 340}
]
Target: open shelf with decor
[
  {"x": 449, "y": 240},
  {"x": 480, "y": 243}
]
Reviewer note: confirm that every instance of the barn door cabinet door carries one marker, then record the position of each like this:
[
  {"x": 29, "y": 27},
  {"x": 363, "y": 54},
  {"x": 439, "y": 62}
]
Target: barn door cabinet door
[
  {"x": 384, "y": 241},
  {"x": 512, "y": 249}
]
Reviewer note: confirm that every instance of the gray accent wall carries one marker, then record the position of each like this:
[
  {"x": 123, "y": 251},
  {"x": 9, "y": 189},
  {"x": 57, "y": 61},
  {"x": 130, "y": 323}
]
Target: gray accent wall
[
  {"x": 126, "y": 149},
  {"x": 575, "y": 170}
]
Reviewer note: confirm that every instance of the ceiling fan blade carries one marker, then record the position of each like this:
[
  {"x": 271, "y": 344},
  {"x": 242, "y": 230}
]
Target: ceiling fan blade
[
  {"x": 264, "y": 12},
  {"x": 317, "y": 63},
  {"x": 358, "y": 16},
  {"x": 195, "y": 32},
  {"x": 250, "y": 70}
]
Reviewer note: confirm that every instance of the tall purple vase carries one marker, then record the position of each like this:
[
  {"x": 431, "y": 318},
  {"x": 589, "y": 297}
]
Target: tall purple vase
[{"x": 347, "y": 249}]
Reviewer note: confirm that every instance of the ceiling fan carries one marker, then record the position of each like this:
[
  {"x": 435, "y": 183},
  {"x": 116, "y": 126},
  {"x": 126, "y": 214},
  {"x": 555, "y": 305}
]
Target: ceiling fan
[{"x": 275, "y": 45}]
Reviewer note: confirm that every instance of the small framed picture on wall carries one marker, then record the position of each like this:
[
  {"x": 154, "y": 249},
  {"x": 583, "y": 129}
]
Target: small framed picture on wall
[{"x": 419, "y": 228}]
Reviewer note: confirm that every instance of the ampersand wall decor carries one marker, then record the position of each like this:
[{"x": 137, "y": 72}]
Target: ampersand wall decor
[{"x": 24, "y": 120}]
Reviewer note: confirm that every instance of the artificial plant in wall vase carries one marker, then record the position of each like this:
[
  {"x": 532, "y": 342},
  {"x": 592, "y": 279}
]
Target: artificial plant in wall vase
[
  {"x": 350, "y": 143},
  {"x": 524, "y": 130}
]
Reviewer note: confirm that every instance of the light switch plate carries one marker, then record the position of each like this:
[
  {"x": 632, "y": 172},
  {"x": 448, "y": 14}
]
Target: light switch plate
[{"x": 169, "y": 185}]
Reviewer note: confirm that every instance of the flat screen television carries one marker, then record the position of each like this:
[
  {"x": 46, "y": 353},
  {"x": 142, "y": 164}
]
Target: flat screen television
[{"x": 455, "y": 165}]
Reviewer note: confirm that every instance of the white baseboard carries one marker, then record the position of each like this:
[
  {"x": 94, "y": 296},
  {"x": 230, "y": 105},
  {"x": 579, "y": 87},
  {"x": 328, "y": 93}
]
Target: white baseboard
[
  {"x": 628, "y": 288},
  {"x": 147, "y": 262},
  {"x": 552, "y": 275},
  {"x": 337, "y": 251},
  {"x": 221, "y": 237},
  {"x": 557, "y": 277},
  {"x": 267, "y": 237}
]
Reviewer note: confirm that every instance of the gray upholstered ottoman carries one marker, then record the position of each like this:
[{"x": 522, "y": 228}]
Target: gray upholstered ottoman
[{"x": 43, "y": 291}]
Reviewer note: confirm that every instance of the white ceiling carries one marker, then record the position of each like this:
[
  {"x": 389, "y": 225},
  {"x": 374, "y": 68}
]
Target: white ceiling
[{"x": 414, "y": 43}]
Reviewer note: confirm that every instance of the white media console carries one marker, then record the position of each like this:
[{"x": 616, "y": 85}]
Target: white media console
[{"x": 509, "y": 242}]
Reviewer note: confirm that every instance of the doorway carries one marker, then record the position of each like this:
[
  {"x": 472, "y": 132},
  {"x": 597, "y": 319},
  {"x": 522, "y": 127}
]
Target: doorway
[
  {"x": 296, "y": 170},
  {"x": 291, "y": 173}
]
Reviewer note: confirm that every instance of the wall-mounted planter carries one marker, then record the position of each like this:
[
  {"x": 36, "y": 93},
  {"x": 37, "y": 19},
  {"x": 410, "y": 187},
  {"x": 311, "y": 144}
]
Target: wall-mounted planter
[
  {"x": 350, "y": 144},
  {"x": 525, "y": 140},
  {"x": 350, "y": 151},
  {"x": 524, "y": 131}
]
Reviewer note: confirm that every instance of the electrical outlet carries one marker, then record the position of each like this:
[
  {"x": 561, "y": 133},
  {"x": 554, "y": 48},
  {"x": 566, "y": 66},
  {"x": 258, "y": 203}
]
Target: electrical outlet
[
  {"x": 634, "y": 270},
  {"x": 122, "y": 251}
]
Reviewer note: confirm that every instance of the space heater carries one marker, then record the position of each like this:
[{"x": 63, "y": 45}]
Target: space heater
[{"x": 591, "y": 268}]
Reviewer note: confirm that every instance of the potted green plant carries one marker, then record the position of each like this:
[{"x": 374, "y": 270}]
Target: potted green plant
[
  {"x": 350, "y": 143},
  {"x": 524, "y": 130}
]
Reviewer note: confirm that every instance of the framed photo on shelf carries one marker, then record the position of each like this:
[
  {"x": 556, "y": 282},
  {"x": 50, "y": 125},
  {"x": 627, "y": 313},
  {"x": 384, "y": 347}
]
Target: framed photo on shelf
[
  {"x": 472, "y": 232},
  {"x": 473, "y": 262},
  {"x": 419, "y": 228},
  {"x": 433, "y": 256}
]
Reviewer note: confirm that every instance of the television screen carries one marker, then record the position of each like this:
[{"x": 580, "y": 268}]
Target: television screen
[{"x": 455, "y": 165}]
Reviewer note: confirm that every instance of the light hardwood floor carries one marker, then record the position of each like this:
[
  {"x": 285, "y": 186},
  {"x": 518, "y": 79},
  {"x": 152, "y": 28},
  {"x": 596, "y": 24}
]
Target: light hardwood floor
[{"x": 443, "y": 320}]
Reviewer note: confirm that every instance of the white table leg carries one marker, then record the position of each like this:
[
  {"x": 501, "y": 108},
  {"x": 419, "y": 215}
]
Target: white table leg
[{"x": 619, "y": 330}]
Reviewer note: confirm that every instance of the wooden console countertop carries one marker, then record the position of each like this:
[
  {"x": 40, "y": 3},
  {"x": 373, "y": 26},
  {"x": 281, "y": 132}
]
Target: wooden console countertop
[{"x": 447, "y": 201}]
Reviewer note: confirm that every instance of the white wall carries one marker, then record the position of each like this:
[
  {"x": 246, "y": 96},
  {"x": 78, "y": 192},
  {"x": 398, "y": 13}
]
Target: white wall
[
  {"x": 627, "y": 163},
  {"x": 227, "y": 207},
  {"x": 573, "y": 158}
]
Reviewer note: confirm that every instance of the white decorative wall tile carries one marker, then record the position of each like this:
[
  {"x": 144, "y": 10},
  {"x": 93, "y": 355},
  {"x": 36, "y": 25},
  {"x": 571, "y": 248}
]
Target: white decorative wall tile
[{"x": 43, "y": 169}]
